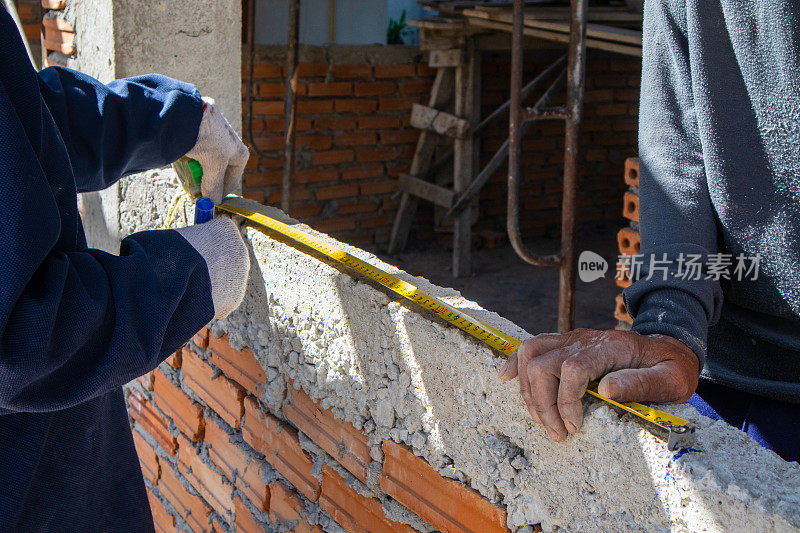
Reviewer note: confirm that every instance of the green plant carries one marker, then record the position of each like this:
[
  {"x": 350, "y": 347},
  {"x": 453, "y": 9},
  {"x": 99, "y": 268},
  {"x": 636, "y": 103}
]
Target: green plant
[{"x": 394, "y": 35}]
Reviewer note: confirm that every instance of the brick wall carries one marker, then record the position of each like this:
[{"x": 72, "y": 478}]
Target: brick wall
[
  {"x": 214, "y": 456},
  {"x": 628, "y": 239},
  {"x": 58, "y": 33},
  {"x": 30, "y": 14},
  {"x": 354, "y": 140}
]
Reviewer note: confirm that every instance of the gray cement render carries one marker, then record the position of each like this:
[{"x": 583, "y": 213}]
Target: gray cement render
[{"x": 395, "y": 373}]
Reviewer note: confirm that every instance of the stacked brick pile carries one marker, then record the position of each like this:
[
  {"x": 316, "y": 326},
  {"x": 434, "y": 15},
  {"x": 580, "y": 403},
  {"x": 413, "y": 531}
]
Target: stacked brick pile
[
  {"x": 30, "y": 14},
  {"x": 628, "y": 237},
  {"x": 58, "y": 38},
  {"x": 215, "y": 457},
  {"x": 354, "y": 140}
]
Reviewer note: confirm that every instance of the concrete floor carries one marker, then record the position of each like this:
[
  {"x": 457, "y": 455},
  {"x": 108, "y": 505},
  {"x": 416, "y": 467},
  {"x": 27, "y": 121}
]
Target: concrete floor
[{"x": 524, "y": 294}]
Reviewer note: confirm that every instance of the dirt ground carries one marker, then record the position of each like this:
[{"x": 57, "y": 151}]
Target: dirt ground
[{"x": 527, "y": 295}]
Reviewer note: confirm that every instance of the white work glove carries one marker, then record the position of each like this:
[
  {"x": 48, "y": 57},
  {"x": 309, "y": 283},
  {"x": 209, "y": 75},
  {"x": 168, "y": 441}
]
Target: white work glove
[
  {"x": 220, "y": 152},
  {"x": 227, "y": 259}
]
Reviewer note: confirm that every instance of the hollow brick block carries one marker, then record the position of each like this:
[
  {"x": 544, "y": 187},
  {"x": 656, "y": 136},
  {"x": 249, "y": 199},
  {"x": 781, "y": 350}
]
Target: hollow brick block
[
  {"x": 204, "y": 479},
  {"x": 445, "y": 504},
  {"x": 184, "y": 412},
  {"x": 190, "y": 507},
  {"x": 632, "y": 171},
  {"x": 162, "y": 521},
  {"x": 220, "y": 394},
  {"x": 239, "y": 365},
  {"x": 156, "y": 424},
  {"x": 630, "y": 206},
  {"x": 148, "y": 459},
  {"x": 286, "y": 505},
  {"x": 240, "y": 469},
  {"x": 340, "y": 439},
  {"x": 278, "y": 442},
  {"x": 629, "y": 241},
  {"x": 621, "y": 312},
  {"x": 353, "y": 511}
]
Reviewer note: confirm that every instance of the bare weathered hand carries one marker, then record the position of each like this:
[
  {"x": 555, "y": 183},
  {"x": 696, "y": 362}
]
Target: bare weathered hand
[{"x": 554, "y": 370}]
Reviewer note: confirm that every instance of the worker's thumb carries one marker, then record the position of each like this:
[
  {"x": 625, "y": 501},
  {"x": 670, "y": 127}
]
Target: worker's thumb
[{"x": 659, "y": 383}]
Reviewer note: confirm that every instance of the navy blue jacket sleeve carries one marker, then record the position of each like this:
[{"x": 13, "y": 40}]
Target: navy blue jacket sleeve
[
  {"x": 76, "y": 323},
  {"x": 126, "y": 126},
  {"x": 677, "y": 220}
]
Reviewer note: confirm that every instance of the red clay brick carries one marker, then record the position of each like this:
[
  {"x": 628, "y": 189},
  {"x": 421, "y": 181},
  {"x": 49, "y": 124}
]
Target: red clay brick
[
  {"x": 407, "y": 70},
  {"x": 162, "y": 521},
  {"x": 175, "y": 360},
  {"x": 402, "y": 103},
  {"x": 278, "y": 125},
  {"x": 285, "y": 505},
  {"x": 240, "y": 365},
  {"x": 190, "y": 507},
  {"x": 629, "y": 241},
  {"x": 265, "y": 71},
  {"x": 241, "y": 470},
  {"x": 379, "y": 187},
  {"x": 316, "y": 175},
  {"x": 245, "y": 521},
  {"x": 399, "y": 136},
  {"x": 315, "y": 142},
  {"x": 378, "y": 122},
  {"x": 204, "y": 480},
  {"x": 423, "y": 69},
  {"x": 376, "y": 221},
  {"x": 337, "y": 88},
  {"x": 351, "y": 71},
  {"x": 268, "y": 108},
  {"x": 256, "y": 196},
  {"x": 337, "y": 191},
  {"x": 367, "y": 155},
  {"x": 623, "y": 276},
  {"x": 54, "y": 4},
  {"x": 334, "y": 225},
  {"x": 416, "y": 87},
  {"x": 340, "y": 439},
  {"x": 356, "y": 106},
  {"x": 148, "y": 458},
  {"x": 359, "y": 206},
  {"x": 351, "y": 510},
  {"x": 184, "y": 412},
  {"x": 306, "y": 210},
  {"x": 314, "y": 107},
  {"x": 152, "y": 421},
  {"x": 332, "y": 157},
  {"x": 632, "y": 171},
  {"x": 363, "y": 172},
  {"x": 312, "y": 70},
  {"x": 356, "y": 138},
  {"x": 270, "y": 144},
  {"x": 374, "y": 88},
  {"x": 630, "y": 206},
  {"x": 220, "y": 394},
  {"x": 263, "y": 179},
  {"x": 445, "y": 504},
  {"x": 334, "y": 123},
  {"x": 278, "y": 442}
]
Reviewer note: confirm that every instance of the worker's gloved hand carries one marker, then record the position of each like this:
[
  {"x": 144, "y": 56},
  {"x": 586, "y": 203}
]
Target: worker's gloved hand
[
  {"x": 221, "y": 153},
  {"x": 554, "y": 370},
  {"x": 227, "y": 259}
]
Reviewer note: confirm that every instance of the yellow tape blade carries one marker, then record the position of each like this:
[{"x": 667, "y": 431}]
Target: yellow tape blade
[{"x": 489, "y": 335}]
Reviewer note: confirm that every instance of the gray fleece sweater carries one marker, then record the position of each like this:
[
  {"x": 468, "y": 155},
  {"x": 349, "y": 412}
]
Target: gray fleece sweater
[{"x": 719, "y": 149}]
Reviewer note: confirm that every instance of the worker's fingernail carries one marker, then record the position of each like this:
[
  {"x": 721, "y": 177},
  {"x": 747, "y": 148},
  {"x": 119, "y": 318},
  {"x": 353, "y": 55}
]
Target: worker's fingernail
[
  {"x": 553, "y": 434},
  {"x": 572, "y": 428},
  {"x": 503, "y": 370}
]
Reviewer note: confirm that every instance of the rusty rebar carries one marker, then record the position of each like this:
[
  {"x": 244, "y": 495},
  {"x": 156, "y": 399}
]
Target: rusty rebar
[{"x": 290, "y": 104}]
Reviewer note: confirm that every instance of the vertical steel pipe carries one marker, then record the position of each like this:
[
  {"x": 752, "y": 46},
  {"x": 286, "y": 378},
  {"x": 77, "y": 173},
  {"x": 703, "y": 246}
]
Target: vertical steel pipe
[
  {"x": 576, "y": 69},
  {"x": 290, "y": 104}
]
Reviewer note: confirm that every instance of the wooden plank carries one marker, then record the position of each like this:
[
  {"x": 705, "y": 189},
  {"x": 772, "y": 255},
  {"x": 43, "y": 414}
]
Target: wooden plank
[
  {"x": 428, "y": 118},
  {"x": 445, "y": 58},
  {"x": 441, "y": 94},
  {"x": 427, "y": 191},
  {"x": 599, "y": 31},
  {"x": 597, "y": 44},
  {"x": 465, "y": 156}
]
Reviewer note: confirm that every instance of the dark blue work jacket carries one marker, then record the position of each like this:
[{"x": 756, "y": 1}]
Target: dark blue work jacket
[{"x": 77, "y": 323}]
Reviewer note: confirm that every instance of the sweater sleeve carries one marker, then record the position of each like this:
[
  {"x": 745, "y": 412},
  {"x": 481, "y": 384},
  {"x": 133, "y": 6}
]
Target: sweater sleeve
[
  {"x": 677, "y": 220},
  {"x": 129, "y": 125}
]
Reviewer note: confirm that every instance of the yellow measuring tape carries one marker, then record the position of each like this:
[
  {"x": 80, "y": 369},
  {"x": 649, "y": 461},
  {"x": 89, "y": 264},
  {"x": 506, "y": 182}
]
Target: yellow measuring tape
[{"x": 674, "y": 427}]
